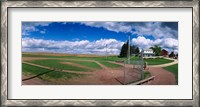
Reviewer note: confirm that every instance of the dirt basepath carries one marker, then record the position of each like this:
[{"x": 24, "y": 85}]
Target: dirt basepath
[
  {"x": 162, "y": 77},
  {"x": 78, "y": 65},
  {"x": 122, "y": 64},
  {"x": 101, "y": 65},
  {"x": 32, "y": 58}
]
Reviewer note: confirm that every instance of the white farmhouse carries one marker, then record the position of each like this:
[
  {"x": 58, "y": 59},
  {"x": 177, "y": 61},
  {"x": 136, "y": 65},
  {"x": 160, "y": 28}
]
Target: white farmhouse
[{"x": 148, "y": 53}]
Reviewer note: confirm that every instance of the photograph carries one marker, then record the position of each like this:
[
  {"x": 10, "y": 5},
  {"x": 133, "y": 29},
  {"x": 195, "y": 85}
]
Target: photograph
[{"x": 99, "y": 53}]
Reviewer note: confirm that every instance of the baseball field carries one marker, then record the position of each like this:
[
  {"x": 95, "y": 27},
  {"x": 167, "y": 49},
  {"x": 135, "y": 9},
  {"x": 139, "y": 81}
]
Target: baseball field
[{"x": 78, "y": 69}]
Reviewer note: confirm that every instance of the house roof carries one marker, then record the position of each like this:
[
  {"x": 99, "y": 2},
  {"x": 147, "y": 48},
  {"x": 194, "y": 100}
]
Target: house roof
[
  {"x": 148, "y": 50},
  {"x": 149, "y": 53},
  {"x": 164, "y": 50}
]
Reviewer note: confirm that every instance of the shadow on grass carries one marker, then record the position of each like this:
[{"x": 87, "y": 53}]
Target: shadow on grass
[{"x": 38, "y": 75}]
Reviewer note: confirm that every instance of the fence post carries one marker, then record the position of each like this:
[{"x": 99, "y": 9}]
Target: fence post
[{"x": 124, "y": 71}]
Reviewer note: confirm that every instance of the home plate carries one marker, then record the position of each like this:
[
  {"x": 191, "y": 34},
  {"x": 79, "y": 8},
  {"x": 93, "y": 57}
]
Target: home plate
[{"x": 129, "y": 76}]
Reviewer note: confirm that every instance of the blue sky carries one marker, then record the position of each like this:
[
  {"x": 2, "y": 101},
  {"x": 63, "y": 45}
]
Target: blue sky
[{"x": 96, "y": 37}]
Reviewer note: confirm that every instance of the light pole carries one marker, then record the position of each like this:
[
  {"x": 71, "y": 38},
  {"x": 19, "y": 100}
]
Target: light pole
[
  {"x": 106, "y": 52},
  {"x": 142, "y": 64},
  {"x": 128, "y": 53}
]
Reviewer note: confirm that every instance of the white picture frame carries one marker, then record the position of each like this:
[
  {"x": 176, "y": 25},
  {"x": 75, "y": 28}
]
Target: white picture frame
[{"x": 6, "y": 101}]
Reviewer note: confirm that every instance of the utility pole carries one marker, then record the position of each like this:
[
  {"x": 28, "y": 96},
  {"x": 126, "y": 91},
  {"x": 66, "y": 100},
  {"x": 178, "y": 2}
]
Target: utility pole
[
  {"x": 128, "y": 53},
  {"x": 142, "y": 64},
  {"x": 106, "y": 52}
]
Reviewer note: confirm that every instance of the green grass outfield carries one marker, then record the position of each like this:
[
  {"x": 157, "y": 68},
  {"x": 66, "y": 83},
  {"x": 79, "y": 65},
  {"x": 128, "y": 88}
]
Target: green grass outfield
[
  {"x": 53, "y": 63},
  {"x": 85, "y": 63},
  {"x": 103, "y": 58},
  {"x": 30, "y": 70},
  {"x": 173, "y": 69},
  {"x": 157, "y": 61},
  {"x": 110, "y": 65},
  {"x": 150, "y": 61}
]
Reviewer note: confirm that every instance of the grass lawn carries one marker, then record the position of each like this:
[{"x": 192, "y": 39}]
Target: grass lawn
[
  {"x": 110, "y": 65},
  {"x": 103, "y": 58},
  {"x": 157, "y": 61},
  {"x": 28, "y": 69},
  {"x": 33, "y": 70},
  {"x": 53, "y": 63},
  {"x": 147, "y": 74},
  {"x": 174, "y": 70},
  {"x": 150, "y": 61}
]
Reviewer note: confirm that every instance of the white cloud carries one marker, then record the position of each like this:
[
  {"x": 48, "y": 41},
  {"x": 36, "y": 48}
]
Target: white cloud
[
  {"x": 43, "y": 31},
  {"x": 28, "y": 27},
  {"x": 156, "y": 29},
  {"x": 111, "y": 26},
  {"x": 142, "y": 42},
  {"x": 164, "y": 36},
  {"x": 101, "y": 47},
  {"x": 169, "y": 44}
]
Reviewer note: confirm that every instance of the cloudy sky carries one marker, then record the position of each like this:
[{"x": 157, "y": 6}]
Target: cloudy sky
[{"x": 96, "y": 37}]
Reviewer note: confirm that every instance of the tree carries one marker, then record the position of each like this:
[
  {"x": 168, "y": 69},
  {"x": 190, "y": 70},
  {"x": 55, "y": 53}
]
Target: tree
[
  {"x": 176, "y": 56},
  {"x": 124, "y": 50},
  {"x": 171, "y": 54},
  {"x": 157, "y": 50},
  {"x": 135, "y": 50}
]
